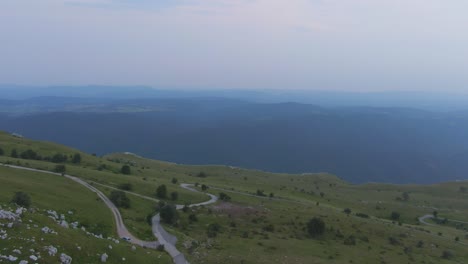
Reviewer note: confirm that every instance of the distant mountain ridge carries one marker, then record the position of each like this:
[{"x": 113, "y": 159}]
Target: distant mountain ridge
[{"x": 359, "y": 144}]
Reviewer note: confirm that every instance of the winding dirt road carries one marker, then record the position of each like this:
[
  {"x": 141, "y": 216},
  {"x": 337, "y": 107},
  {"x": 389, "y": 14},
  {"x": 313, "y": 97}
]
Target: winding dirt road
[{"x": 164, "y": 238}]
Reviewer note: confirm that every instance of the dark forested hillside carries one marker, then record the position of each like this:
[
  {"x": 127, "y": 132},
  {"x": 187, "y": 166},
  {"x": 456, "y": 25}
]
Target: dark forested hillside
[{"x": 358, "y": 144}]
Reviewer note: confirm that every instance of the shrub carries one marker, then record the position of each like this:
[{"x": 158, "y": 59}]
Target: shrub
[
  {"x": 14, "y": 153},
  {"x": 362, "y": 215},
  {"x": 169, "y": 214},
  {"x": 269, "y": 228},
  {"x": 447, "y": 254},
  {"x": 125, "y": 186},
  {"x": 174, "y": 196},
  {"x": 350, "y": 241},
  {"x": 213, "y": 230},
  {"x": 347, "y": 211},
  {"x": 174, "y": 180},
  {"x": 125, "y": 170},
  {"x": 260, "y": 193},
  {"x": 316, "y": 227},
  {"x": 161, "y": 192},
  {"x": 76, "y": 158},
  {"x": 224, "y": 197},
  {"x": 395, "y": 216},
  {"x": 60, "y": 169},
  {"x": 193, "y": 218},
  {"x": 201, "y": 175},
  {"x": 21, "y": 199},
  {"x": 120, "y": 199}
]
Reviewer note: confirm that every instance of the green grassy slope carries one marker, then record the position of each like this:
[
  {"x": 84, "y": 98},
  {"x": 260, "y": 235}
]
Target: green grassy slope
[{"x": 257, "y": 229}]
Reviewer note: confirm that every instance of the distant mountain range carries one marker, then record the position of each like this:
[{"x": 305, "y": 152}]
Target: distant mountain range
[
  {"x": 432, "y": 101},
  {"x": 359, "y": 144}
]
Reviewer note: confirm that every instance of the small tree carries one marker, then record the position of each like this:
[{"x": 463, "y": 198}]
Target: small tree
[
  {"x": 174, "y": 196},
  {"x": 22, "y": 199},
  {"x": 174, "y": 180},
  {"x": 316, "y": 227},
  {"x": 347, "y": 211},
  {"x": 204, "y": 187},
  {"x": 169, "y": 214},
  {"x": 60, "y": 169},
  {"x": 213, "y": 230},
  {"x": 406, "y": 196},
  {"x": 14, "y": 153},
  {"x": 125, "y": 186},
  {"x": 76, "y": 158},
  {"x": 161, "y": 192},
  {"x": 125, "y": 170},
  {"x": 2, "y": 152},
  {"x": 395, "y": 216},
  {"x": 224, "y": 197},
  {"x": 192, "y": 218},
  {"x": 201, "y": 175},
  {"x": 435, "y": 213},
  {"x": 120, "y": 199}
]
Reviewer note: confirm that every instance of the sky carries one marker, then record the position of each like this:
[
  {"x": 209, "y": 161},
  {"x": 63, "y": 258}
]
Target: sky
[{"x": 332, "y": 45}]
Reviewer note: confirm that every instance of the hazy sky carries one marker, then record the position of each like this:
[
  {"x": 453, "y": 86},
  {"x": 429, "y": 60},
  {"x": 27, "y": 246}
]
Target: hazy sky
[{"x": 369, "y": 45}]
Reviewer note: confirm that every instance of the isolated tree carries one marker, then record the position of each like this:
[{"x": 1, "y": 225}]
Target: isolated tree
[
  {"x": 435, "y": 213},
  {"x": 14, "y": 153},
  {"x": 161, "y": 192},
  {"x": 59, "y": 158},
  {"x": 192, "y": 218},
  {"x": 174, "y": 180},
  {"x": 60, "y": 169},
  {"x": 406, "y": 196},
  {"x": 22, "y": 199},
  {"x": 224, "y": 197},
  {"x": 120, "y": 199},
  {"x": 169, "y": 214},
  {"x": 76, "y": 158},
  {"x": 174, "y": 196},
  {"x": 204, "y": 187},
  {"x": 395, "y": 216},
  {"x": 125, "y": 186},
  {"x": 2, "y": 152},
  {"x": 347, "y": 211},
  {"x": 201, "y": 175},
  {"x": 316, "y": 227},
  {"x": 213, "y": 229},
  {"x": 125, "y": 170},
  {"x": 463, "y": 189}
]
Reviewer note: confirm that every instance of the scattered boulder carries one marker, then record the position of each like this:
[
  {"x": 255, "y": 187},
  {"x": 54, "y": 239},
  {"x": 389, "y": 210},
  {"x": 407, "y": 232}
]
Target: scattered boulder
[
  {"x": 65, "y": 259},
  {"x": 33, "y": 257},
  {"x": 51, "y": 250},
  {"x": 104, "y": 257}
]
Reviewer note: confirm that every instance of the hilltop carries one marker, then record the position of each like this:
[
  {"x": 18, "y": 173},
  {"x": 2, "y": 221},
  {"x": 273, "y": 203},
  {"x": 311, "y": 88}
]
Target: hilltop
[{"x": 261, "y": 217}]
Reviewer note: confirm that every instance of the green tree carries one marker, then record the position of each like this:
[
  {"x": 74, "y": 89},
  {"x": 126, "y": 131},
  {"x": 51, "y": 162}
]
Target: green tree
[
  {"x": 14, "y": 153},
  {"x": 316, "y": 227},
  {"x": 347, "y": 211},
  {"x": 161, "y": 192},
  {"x": 2, "y": 152},
  {"x": 174, "y": 196},
  {"x": 125, "y": 186},
  {"x": 193, "y": 218},
  {"x": 201, "y": 175},
  {"x": 22, "y": 199},
  {"x": 395, "y": 216},
  {"x": 204, "y": 187},
  {"x": 435, "y": 213},
  {"x": 60, "y": 169},
  {"x": 59, "y": 158},
  {"x": 174, "y": 180},
  {"x": 76, "y": 158},
  {"x": 120, "y": 199},
  {"x": 169, "y": 214},
  {"x": 213, "y": 229},
  {"x": 224, "y": 197},
  {"x": 125, "y": 170}
]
